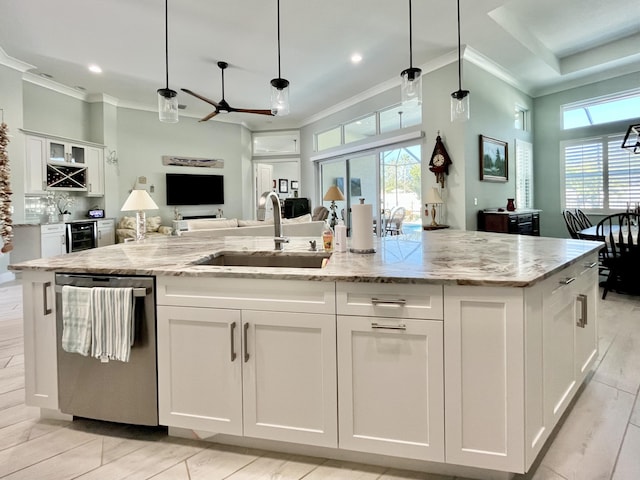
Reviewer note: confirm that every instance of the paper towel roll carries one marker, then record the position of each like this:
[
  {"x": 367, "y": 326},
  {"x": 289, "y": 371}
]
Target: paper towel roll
[{"x": 362, "y": 228}]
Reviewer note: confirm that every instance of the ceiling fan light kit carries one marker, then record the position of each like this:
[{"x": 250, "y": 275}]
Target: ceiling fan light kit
[
  {"x": 167, "y": 98},
  {"x": 411, "y": 87},
  {"x": 460, "y": 98},
  {"x": 279, "y": 86}
]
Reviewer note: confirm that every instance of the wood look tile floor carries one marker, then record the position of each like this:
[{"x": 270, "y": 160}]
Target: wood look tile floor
[{"x": 598, "y": 440}]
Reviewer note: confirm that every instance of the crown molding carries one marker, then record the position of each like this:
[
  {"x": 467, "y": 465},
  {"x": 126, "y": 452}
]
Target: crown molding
[
  {"x": 53, "y": 85},
  {"x": 102, "y": 98},
  {"x": 14, "y": 63}
]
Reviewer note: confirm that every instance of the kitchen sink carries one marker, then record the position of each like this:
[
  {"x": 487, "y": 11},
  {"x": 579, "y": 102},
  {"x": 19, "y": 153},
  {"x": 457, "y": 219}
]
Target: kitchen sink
[{"x": 267, "y": 259}]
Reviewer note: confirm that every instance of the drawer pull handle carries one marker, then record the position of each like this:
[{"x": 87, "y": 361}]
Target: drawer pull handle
[
  {"x": 47, "y": 310},
  {"x": 246, "y": 343},
  {"x": 400, "y": 302},
  {"x": 400, "y": 326},
  {"x": 591, "y": 265},
  {"x": 233, "y": 346},
  {"x": 567, "y": 281}
]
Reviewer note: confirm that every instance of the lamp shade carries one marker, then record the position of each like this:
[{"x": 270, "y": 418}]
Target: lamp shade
[
  {"x": 167, "y": 105},
  {"x": 280, "y": 96},
  {"x": 333, "y": 194},
  {"x": 139, "y": 200},
  {"x": 433, "y": 196}
]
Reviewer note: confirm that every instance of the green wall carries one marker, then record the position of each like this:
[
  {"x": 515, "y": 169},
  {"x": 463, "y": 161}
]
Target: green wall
[{"x": 546, "y": 149}]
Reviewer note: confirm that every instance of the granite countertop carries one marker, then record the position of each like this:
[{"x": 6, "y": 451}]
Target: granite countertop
[{"x": 440, "y": 257}]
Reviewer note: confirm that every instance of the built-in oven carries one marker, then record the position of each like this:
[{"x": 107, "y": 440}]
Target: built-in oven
[{"x": 82, "y": 235}]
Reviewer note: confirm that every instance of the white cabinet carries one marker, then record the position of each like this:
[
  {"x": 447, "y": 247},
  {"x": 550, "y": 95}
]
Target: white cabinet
[
  {"x": 200, "y": 369},
  {"x": 58, "y": 164},
  {"x": 248, "y": 357},
  {"x": 106, "y": 232},
  {"x": 390, "y": 369},
  {"x": 390, "y": 387},
  {"x": 484, "y": 364},
  {"x": 35, "y": 163},
  {"x": 61, "y": 151},
  {"x": 586, "y": 350},
  {"x": 40, "y": 352},
  {"x": 52, "y": 240},
  {"x": 94, "y": 159}
]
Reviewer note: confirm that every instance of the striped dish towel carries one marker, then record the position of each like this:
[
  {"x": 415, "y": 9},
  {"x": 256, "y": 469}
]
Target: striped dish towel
[
  {"x": 76, "y": 319},
  {"x": 113, "y": 323}
]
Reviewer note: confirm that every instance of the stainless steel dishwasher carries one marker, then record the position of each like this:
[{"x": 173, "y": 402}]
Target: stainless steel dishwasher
[{"x": 124, "y": 392}]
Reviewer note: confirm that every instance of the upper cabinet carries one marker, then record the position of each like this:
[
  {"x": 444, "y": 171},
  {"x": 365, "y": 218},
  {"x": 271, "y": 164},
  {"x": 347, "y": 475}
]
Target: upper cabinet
[{"x": 55, "y": 164}]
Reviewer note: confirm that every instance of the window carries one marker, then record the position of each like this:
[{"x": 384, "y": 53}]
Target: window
[
  {"x": 621, "y": 106},
  {"x": 524, "y": 174},
  {"x": 599, "y": 175},
  {"x": 376, "y": 123},
  {"x": 520, "y": 120}
]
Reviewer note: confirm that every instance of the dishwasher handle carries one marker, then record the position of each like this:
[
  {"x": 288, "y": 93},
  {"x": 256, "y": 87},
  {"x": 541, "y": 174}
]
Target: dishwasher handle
[{"x": 137, "y": 292}]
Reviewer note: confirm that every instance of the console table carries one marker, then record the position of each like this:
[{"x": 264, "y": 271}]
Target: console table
[{"x": 521, "y": 221}]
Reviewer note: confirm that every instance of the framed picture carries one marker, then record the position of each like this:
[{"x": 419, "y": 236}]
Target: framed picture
[
  {"x": 283, "y": 185},
  {"x": 294, "y": 185},
  {"x": 274, "y": 184},
  {"x": 340, "y": 183},
  {"x": 494, "y": 160}
]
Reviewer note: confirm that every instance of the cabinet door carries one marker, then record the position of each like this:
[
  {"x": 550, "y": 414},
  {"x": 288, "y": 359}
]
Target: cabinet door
[
  {"x": 52, "y": 240},
  {"x": 94, "y": 158},
  {"x": 289, "y": 377},
  {"x": 484, "y": 365},
  {"x": 558, "y": 346},
  {"x": 40, "y": 352},
  {"x": 35, "y": 165},
  {"x": 391, "y": 386},
  {"x": 199, "y": 369},
  {"x": 106, "y": 233},
  {"x": 586, "y": 332}
]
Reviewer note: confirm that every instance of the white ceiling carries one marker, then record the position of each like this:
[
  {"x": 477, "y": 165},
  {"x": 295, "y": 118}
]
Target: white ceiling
[{"x": 540, "y": 45}]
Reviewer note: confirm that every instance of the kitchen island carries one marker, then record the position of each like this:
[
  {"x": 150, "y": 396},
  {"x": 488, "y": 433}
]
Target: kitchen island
[{"x": 448, "y": 351}]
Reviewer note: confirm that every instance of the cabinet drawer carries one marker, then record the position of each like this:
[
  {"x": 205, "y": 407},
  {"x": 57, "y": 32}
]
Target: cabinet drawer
[
  {"x": 247, "y": 294},
  {"x": 52, "y": 228},
  {"x": 389, "y": 300}
]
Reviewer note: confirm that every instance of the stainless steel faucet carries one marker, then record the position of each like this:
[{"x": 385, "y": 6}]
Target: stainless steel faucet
[{"x": 278, "y": 238}]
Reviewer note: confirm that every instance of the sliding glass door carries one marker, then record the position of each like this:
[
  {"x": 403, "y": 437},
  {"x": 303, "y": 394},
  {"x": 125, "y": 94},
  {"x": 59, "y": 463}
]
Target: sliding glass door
[{"x": 386, "y": 179}]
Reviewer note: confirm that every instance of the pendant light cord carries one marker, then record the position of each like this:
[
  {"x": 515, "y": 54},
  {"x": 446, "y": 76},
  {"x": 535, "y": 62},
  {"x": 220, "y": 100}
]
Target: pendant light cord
[
  {"x": 166, "y": 40},
  {"x": 279, "y": 75},
  {"x": 410, "y": 38},
  {"x": 459, "y": 54}
]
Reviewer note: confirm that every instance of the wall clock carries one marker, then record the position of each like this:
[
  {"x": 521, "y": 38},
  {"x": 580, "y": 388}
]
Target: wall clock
[{"x": 440, "y": 161}]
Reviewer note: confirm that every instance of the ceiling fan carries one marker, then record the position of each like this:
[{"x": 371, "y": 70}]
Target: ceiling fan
[{"x": 222, "y": 105}]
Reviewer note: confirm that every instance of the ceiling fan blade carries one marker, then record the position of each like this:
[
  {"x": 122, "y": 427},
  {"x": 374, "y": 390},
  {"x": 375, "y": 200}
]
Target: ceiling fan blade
[
  {"x": 209, "y": 117},
  {"x": 248, "y": 110},
  {"x": 211, "y": 102}
]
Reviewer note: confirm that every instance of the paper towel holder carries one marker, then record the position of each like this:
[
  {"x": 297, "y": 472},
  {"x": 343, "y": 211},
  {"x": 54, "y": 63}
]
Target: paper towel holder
[{"x": 362, "y": 250}]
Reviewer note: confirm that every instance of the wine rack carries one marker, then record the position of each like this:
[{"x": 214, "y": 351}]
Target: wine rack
[{"x": 66, "y": 177}]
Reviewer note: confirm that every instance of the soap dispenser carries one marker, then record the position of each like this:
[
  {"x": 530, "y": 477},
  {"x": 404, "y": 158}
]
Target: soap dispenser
[
  {"x": 327, "y": 238},
  {"x": 340, "y": 238}
]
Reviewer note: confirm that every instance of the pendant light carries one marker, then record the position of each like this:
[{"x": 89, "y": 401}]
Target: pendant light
[
  {"x": 279, "y": 86},
  {"x": 459, "y": 98},
  {"x": 411, "y": 87},
  {"x": 167, "y": 98}
]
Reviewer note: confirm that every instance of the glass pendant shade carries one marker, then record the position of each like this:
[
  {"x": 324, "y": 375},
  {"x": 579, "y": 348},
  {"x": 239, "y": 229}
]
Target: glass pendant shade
[
  {"x": 167, "y": 105},
  {"x": 460, "y": 106},
  {"x": 279, "y": 96},
  {"x": 411, "y": 88}
]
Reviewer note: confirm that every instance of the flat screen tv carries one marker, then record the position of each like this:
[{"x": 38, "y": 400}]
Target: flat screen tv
[{"x": 192, "y": 189}]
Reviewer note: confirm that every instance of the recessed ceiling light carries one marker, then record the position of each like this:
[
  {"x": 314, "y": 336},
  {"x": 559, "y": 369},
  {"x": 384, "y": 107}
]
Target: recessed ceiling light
[
  {"x": 356, "y": 58},
  {"x": 95, "y": 68}
]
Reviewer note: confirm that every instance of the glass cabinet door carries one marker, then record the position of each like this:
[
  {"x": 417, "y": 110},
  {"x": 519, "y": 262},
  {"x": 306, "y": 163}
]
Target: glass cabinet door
[
  {"x": 77, "y": 154},
  {"x": 56, "y": 152}
]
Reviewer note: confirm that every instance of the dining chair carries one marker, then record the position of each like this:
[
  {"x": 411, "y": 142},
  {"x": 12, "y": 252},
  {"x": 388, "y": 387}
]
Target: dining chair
[
  {"x": 572, "y": 223},
  {"x": 393, "y": 226},
  {"x": 583, "y": 219},
  {"x": 621, "y": 254}
]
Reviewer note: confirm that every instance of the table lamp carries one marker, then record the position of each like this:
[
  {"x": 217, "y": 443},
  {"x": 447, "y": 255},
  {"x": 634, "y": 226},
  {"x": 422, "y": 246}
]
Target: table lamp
[
  {"x": 332, "y": 195},
  {"x": 139, "y": 200},
  {"x": 433, "y": 198}
]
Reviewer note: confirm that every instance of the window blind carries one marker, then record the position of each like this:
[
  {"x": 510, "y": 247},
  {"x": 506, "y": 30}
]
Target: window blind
[
  {"x": 599, "y": 175},
  {"x": 524, "y": 174}
]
